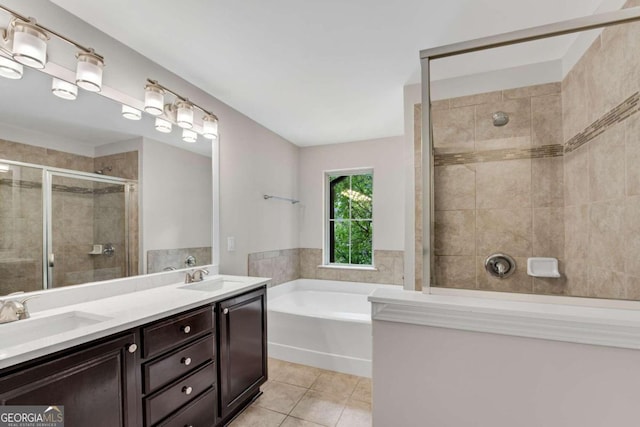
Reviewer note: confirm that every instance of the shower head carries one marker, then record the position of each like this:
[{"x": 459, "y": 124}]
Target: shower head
[{"x": 500, "y": 118}]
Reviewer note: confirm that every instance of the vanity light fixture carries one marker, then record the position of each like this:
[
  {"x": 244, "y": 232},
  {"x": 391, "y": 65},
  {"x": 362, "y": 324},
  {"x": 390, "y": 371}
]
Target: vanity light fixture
[
  {"x": 153, "y": 99},
  {"x": 10, "y": 68},
  {"x": 89, "y": 71},
  {"x": 63, "y": 89},
  {"x": 184, "y": 114},
  {"x": 210, "y": 126},
  {"x": 189, "y": 135},
  {"x": 180, "y": 112},
  {"x": 28, "y": 40},
  {"x": 131, "y": 113},
  {"x": 163, "y": 125}
]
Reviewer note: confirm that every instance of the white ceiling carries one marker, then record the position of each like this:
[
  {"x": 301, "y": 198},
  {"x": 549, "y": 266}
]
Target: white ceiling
[{"x": 315, "y": 72}]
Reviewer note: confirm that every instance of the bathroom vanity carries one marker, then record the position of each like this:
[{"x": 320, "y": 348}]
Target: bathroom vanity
[{"x": 198, "y": 366}]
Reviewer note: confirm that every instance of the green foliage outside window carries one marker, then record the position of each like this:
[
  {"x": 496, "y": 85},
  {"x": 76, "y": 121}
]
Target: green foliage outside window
[{"x": 350, "y": 223}]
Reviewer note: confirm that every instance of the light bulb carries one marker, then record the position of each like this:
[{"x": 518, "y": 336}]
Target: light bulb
[
  {"x": 131, "y": 113},
  {"x": 210, "y": 127},
  {"x": 63, "y": 89},
  {"x": 184, "y": 116},
  {"x": 153, "y": 100},
  {"x": 163, "y": 125},
  {"x": 10, "y": 69},
  {"x": 189, "y": 136},
  {"x": 89, "y": 71},
  {"x": 29, "y": 44}
]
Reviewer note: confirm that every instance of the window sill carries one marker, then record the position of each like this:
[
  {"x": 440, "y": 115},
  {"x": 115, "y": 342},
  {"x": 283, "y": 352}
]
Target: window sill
[{"x": 348, "y": 267}]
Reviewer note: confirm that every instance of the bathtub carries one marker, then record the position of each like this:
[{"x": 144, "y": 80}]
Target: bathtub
[{"x": 322, "y": 323}]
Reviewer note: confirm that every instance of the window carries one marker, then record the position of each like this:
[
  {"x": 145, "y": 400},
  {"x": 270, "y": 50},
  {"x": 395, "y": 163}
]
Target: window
[{"x": 349, "y": 239}]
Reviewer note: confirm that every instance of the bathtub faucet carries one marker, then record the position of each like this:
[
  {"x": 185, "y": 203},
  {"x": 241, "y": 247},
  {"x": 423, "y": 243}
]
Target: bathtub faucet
[{"x": 196, "y": 276}]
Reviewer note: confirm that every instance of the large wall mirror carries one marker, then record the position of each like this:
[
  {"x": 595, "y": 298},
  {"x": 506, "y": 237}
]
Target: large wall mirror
[{"x": 87, "y": 195}]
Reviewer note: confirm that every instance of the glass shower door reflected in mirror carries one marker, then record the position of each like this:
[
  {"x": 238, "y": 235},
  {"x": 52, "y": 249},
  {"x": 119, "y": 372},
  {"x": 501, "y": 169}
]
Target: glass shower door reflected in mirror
[
  {"x": 21, "y": 227},
  {"x": 88, "y": 233}
]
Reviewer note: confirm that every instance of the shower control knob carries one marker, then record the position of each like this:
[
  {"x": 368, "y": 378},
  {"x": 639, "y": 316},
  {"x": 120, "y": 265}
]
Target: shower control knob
[
  {"x": 186, "y": 329},
  {"x": 186, "y": 361},
  {"x": 132, "y": 348}
]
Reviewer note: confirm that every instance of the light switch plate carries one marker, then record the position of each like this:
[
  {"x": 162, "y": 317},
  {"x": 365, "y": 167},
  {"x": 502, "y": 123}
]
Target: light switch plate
[{"x": 231, "y": 244}]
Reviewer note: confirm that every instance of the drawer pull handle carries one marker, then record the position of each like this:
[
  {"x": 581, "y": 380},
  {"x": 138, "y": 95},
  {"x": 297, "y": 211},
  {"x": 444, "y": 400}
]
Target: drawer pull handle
[
  {"x": 131, "y": 348},
  {"x": 187, "y": 390},
  {"x": 186, "y": 329},
  {"x": 186, "y": 361},
  {"x": 225, "y": 311}
]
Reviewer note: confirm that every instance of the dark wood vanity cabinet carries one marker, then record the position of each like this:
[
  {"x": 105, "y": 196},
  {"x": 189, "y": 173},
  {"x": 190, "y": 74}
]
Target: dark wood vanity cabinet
[
  {"x": 179, "y": 374},
  {"x": 198, "y": 368},
  {"x": 242, "y": 351},
  {"x": 97, "y": 384}
]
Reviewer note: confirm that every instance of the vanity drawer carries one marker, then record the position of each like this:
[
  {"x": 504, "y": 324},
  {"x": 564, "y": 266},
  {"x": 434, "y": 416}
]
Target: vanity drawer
[
  {"x": 199, "y": 413},
  {"x": 172, "y": 366},
  {"x": 170, "y": 333},
  {"x": 174, "y": 396}
]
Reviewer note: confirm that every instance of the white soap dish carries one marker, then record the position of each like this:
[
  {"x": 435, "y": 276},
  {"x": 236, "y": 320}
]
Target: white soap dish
[
  {"x": 97, "y": 250},
  {"x": 543, "y": 267}
]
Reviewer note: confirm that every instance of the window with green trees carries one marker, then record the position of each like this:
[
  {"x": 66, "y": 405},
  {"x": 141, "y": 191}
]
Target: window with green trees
[{"x": 350, "y": 225}]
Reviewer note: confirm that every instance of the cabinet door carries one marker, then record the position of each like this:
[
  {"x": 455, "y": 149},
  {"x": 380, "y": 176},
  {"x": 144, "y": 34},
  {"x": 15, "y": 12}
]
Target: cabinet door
[
  {"x": 242, "y": 330},
  {"x": 98, "y": 385}
]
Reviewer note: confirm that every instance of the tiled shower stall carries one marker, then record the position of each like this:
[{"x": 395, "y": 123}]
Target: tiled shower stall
[{"x": 560, "y": 180}]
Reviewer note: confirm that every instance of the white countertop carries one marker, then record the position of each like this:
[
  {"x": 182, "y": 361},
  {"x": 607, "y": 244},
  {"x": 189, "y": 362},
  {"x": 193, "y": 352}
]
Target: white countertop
[
  {"x": 122, "y": 312},
  {"x": 613, "y": 327}
]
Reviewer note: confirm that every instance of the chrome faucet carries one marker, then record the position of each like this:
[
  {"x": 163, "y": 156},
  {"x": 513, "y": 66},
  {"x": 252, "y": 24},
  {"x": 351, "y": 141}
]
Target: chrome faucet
[
  {"x": 12, "y": 310},
  {"x": 196, "y": 276}
]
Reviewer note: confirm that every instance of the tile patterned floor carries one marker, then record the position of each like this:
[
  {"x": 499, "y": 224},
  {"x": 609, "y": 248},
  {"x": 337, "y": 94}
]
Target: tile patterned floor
[{"x": 303, "y": 396}]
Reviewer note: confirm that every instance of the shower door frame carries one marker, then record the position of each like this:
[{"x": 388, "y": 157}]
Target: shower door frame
[
  {"x": 515, "y": 37},
  {"x": 47, "y": 205}
]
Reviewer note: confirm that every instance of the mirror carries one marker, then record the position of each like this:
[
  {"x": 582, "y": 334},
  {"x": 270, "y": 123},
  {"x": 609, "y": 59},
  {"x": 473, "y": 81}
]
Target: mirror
[
  {"x": 535, "y": 150},
  {"x": 87, "y": 195}
]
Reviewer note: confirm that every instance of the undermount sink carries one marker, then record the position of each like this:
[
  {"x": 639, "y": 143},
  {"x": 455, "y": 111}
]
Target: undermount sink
[
  {"x": 23, "y": 331},
  {"x": 211, "y": 285}
]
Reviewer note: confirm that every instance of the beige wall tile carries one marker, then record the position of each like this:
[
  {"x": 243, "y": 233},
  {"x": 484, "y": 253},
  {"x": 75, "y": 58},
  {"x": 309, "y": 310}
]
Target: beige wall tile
[
  {"x": 529, "y": 91},
  {"x": 606, "y": 228},
  {"x": 548, "y": 232},
  {"x": 606, "y": 165},
  {"x": 503, "y": 185},
  {"x": 575, "y": 113},
  {"x": 504, "y": 230},
  {"x": 453, "y": 130},
  {"x": 631, "y": 236},
  {"x": 455, "y": 271},
  {"x": 632, "y": 155},
  {"x": 577, "y": 277},
  {"x": 481, "y": 98},
  {"x": 442, "y": 104},
  {"x": 546, "y": 120},
  {"x": 576, "y": 232},
  {"x": 632, "y": 287},
  {"x": 547, "y": 182},
  {"x": 519, "y": 125},
  {"x": 455, "y": 187},
  {"x": 605, "y": 283},
  {"x": 518, "y": 282},
  {"x": 576, "y": 177},
  {"x": 455, "y": 232}
]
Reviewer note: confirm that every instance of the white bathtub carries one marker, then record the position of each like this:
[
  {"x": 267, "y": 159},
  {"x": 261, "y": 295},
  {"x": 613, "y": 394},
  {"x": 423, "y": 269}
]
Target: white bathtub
[{"x": 322, "y": 323}]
